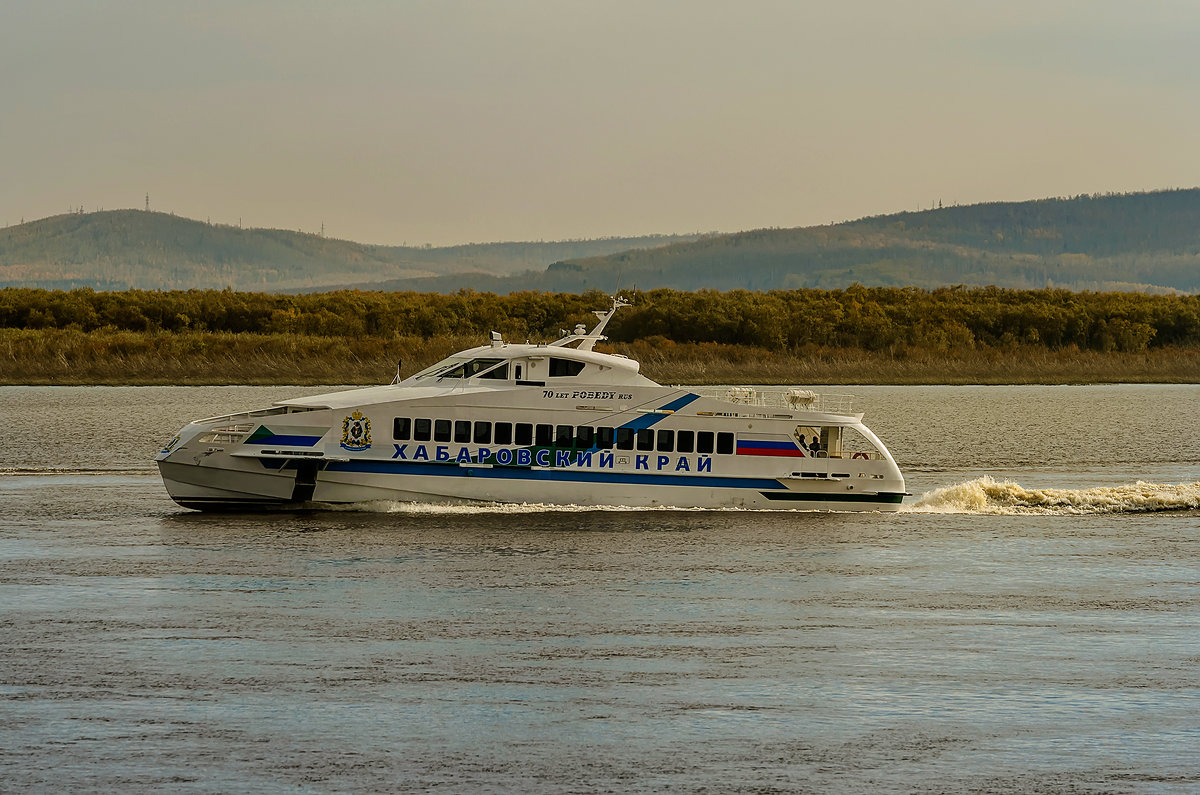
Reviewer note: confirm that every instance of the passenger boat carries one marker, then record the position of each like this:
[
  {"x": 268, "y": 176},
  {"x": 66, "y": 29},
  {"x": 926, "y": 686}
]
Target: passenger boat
[{"x": 552, "y": 423}]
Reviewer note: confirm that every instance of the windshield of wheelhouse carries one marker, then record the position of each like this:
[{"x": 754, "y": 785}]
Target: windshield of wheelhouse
[
  {"x": 474, "y": 367},
  {"x": 443, "y": 366}
]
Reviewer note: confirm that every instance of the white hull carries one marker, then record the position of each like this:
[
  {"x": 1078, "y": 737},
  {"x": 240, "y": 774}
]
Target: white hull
[{"x": 213, "y": 487}]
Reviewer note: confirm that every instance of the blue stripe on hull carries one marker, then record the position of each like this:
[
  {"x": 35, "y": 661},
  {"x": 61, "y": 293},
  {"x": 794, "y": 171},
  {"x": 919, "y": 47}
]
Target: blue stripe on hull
[
  {"x": 647, "y": 420},
  {"x": 285, "y": 440},
  {"x": 818, "y": 496},
  {"x": 565, "y": 475}
]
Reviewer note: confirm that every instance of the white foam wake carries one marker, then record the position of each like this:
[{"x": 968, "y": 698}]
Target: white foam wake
[
  {"x": 986, "y": 496},
  {"x": 436, "y": 509}
]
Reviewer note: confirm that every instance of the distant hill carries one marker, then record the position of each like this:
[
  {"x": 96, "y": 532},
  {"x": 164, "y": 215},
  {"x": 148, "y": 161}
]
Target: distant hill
[
  {"x": 120, "y": 249},
  {"x": 1148, "y": 242},
  {"x": 1145, "y": 242}
]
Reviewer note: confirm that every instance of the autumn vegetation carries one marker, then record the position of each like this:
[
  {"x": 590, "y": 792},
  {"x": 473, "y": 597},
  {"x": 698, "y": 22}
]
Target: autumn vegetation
[{"x": 852, "y": 335}]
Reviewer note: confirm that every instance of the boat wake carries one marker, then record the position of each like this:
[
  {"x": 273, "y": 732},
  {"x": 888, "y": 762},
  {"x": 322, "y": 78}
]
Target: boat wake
[
  {"x": 986, "y": 496},
  {"x": 439, "y": 509},
  {"x": 73, "y": 471}
]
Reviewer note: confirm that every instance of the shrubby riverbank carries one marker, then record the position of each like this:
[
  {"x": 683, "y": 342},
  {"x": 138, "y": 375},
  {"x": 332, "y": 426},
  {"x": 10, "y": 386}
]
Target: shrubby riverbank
[
  {"x": 856, "y": 335},
  {"x": 106, "y": 356}
]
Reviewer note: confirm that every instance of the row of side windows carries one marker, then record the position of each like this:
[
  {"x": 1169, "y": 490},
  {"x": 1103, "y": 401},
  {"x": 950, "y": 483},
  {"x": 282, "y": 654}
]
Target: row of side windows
[{"x": 565, "y": 437}]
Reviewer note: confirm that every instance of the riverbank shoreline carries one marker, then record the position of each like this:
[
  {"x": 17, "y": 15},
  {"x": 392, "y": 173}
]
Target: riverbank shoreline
[{"x": 119, "y": 358}]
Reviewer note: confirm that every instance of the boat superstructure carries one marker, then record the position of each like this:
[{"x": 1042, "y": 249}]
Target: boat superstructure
[{"x": 552, "y": 423}]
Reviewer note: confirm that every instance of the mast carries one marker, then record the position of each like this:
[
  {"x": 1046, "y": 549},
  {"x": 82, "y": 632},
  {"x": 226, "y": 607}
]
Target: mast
[{"x": 591, "y": 339}]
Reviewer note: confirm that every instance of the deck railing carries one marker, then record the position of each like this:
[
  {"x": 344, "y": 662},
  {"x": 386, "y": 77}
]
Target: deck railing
[{"x": 786, "y": 398}]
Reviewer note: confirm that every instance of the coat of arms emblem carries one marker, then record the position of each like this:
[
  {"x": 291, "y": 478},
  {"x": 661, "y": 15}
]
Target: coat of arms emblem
[{"x": 356, "y": 432}]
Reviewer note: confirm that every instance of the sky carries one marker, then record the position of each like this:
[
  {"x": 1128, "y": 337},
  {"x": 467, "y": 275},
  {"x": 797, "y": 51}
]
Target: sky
[{"x": 446, "y": 122}]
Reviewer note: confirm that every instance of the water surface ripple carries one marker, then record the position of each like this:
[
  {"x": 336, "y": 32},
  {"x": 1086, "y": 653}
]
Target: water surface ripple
[{"x": 1006, "y": 633}]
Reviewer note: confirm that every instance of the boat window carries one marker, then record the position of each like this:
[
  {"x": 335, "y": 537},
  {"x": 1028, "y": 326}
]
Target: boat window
[
  {"x": 704, "y": 442},
  {"x": 564, "y": 436},
  {"x": 517, "y": 371},
  {"x": 855, "y": 445},
  {"x": 831, "y": 441},
  {"x": 624, "y": 438},
  {"x": 563, "y": 368},
  {"x": 544, "y": 436},
  {"x": 685, "y": 441},
  {"x": 470, "y": 369},
  {"x": 462, "y": 431},
  {"x": 401, "y": 428},
  {"x": 483, "y": 433},
  {"x": 499, "y": 373},
  {"x": 504, "y": 433},
  {"x": 807, "y": 436},
  {"x": 724, "y": 444},
  {"x": 442, "y": 366},
  {"x": 422, "y": 429},
  {"x": 666, "y": 441},
  {"x": 524, "y": 434},
  {"x": 583, "y": 437},
  {"x": 441, "y": 430},
  {"x": 645, "y": 439},
  {"x": 604, "y": 438}
]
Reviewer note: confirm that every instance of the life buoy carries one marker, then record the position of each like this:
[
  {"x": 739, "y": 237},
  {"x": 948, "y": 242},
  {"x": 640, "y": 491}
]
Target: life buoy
[{"x": 859, "y": 455}]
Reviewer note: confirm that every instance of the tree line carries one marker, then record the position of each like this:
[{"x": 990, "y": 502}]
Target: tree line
[{"x": 867, "y": 318}]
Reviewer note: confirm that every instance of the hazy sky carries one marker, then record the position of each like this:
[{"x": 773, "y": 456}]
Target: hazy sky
[{"x": 452, "y": 122}]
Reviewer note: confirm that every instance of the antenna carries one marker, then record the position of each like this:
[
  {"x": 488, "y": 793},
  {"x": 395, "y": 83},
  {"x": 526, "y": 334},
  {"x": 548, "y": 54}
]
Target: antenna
[{"x": 586, "y": 343}]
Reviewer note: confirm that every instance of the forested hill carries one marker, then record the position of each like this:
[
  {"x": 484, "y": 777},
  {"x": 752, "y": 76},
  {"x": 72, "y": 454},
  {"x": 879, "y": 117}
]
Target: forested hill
[
  {"x": 119, "y": 249},
  {"x": 1143, "y": 241}
]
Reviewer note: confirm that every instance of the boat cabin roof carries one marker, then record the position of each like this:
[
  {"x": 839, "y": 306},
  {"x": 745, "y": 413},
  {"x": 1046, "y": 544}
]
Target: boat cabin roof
[
  {"x": 504, "y": 366},
  {"x": 539, "y": 362}
]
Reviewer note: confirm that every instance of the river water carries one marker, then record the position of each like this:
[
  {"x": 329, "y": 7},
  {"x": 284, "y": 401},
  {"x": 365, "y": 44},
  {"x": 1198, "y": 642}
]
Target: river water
[{"x": 1029, "y": 622}]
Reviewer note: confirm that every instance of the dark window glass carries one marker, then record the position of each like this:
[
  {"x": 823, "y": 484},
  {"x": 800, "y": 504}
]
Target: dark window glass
[
  {"x": 524, "y": 435},
  {"x": 583, "y": 437},
  {"x": 645, "y": 439},
  {"x": 401, "y": 428},
  {"x": 500, "y": 373},
  {"x": 704, "y": 442},
  {"x": 666, "y": 441},
  {"x": 470, "y": 369},
  {"x": 503, "y": 433},
  {"x": 725, "y": 444},
  {"x": 421, "y": 429},
  {"x": 564, "y": 436},
  {"x": 462, "y": 431},
  {"x": 624, "y": 438},
  {"x": 604, "y": 438},
  {"x": 483, "y": 433},
  {"x": 441, "y": 430},
  {"x": 544, "y": 436},
  {"x": 685, "y": 441},
  {"x": 561, "y": 368}
]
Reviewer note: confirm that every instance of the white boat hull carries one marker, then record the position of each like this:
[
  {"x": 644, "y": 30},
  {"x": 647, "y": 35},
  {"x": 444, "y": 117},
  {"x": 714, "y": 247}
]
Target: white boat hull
[
  {"x": 342, "y": 483},
  {"x": 538, "y": 424}
]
